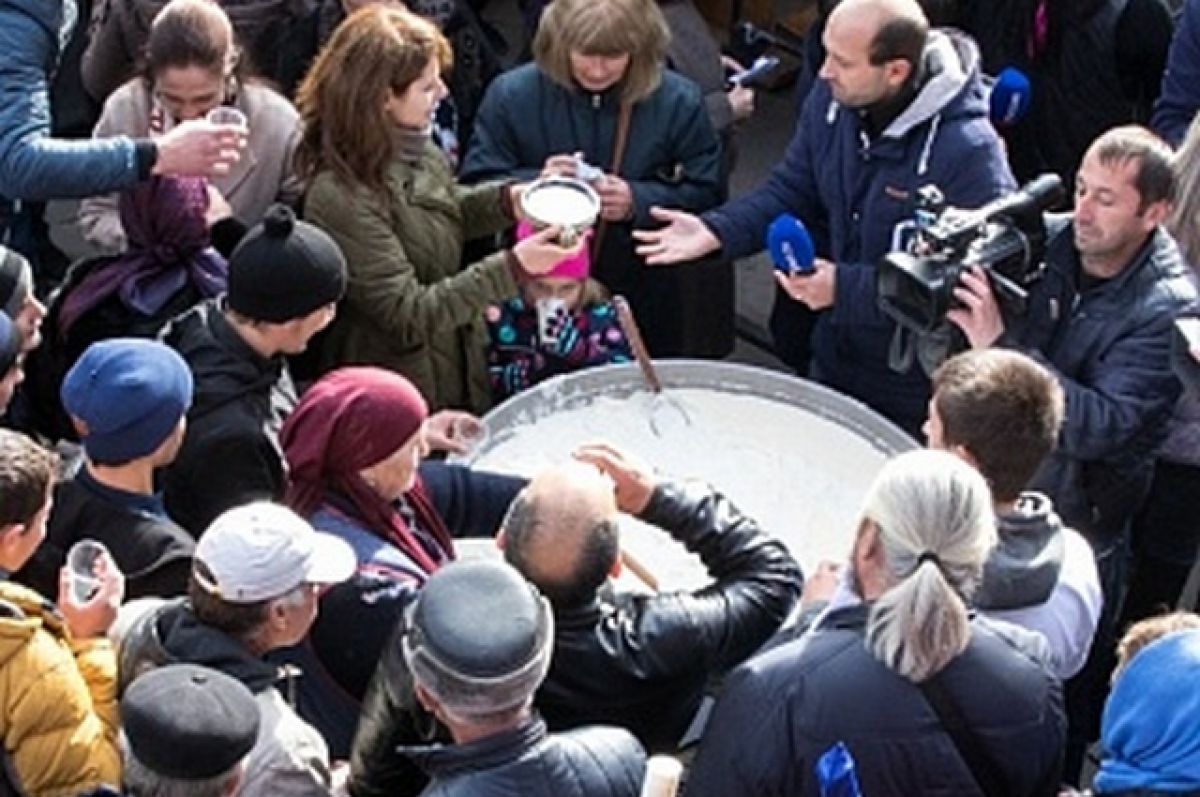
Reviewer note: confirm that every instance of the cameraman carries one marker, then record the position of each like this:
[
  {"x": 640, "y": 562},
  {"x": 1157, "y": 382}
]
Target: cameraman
[{"x": 1101, "y": 319}]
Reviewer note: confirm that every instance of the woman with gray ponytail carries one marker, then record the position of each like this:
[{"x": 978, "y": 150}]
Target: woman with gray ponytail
[{"x": 927, "y": 697}]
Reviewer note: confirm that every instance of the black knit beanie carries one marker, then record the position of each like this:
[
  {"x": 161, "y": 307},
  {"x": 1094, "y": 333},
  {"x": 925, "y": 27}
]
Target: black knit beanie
[{"x": 284, "y": 269}]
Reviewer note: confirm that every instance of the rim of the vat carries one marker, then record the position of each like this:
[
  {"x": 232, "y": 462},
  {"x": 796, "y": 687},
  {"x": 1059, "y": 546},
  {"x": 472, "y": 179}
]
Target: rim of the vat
[{"x": 568, "y": 391}]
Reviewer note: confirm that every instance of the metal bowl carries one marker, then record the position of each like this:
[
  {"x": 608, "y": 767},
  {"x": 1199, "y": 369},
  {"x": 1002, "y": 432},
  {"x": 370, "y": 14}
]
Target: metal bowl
[
  {"x": 795, "y": 489},
  {"x": 566, "y": 202}
]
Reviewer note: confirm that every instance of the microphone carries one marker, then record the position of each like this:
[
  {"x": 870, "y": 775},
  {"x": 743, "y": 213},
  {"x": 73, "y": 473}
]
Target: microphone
[
  {"x": 790, "y": 245},
  {"x": 1010, "y": 97}
]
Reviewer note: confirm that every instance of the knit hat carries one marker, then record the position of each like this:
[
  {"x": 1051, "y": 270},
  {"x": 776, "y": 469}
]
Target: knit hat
[
  {"x": 189, "y": 723},
  {"x": 261, "y": 551},
  {"x": 1149, "y": 732},
  {"x": 576, "y": 267},
  {"x": 284, "y": 269},
  {"x": 130, "y": 393},
  {"x": 479, "y": 637},
  {"x": 16, "y": 282}
]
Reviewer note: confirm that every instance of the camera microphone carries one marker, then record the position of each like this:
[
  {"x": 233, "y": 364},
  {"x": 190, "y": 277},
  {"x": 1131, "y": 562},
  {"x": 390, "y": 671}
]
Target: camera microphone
[
  {"x": 790, "y": 245},
  {"x": 1010, "y": 97}
]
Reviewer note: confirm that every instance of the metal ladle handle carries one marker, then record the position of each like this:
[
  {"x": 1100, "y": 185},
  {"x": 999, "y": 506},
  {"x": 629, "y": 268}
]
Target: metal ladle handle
[{"x": 634, "y": 335}]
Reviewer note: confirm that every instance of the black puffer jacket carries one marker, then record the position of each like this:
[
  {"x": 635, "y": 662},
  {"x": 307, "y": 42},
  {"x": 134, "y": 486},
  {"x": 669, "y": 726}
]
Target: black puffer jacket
[
  {"x": 587, "y": 762},
  {"x": 231, "y": 453},
  {"x": 635, "y": 661},
  {"x": 782, "y": 710}
]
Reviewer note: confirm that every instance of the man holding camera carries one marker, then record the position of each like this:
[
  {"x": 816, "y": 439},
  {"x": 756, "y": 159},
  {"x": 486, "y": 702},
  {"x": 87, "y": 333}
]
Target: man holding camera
[
  {"x": 897, "y": 107},
  {"x": 1101, "y": 319}
]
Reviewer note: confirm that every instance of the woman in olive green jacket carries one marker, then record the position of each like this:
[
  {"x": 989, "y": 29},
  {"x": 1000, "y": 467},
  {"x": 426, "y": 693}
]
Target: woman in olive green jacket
[{"x": 388, "y": 197}]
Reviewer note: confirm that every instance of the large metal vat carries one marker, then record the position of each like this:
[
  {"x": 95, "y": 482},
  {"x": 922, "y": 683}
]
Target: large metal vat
[{"x": 804, "y": 493}]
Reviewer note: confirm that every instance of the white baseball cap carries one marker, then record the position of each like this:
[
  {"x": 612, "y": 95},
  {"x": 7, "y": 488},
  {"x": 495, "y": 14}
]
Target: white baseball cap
[{"x": 263, "y": 550}]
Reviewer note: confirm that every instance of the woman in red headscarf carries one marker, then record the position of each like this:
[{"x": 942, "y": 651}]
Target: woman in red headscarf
[{"x": 353, "y": 446}]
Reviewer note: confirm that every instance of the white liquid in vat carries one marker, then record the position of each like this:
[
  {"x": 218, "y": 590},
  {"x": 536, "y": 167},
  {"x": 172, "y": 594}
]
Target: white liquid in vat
[
  {"x": 803, "y": 478},
  {"x": 559, "y": 204}
]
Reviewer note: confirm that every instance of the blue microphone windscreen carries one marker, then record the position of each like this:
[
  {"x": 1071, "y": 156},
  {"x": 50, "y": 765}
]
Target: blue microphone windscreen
[
  {"x": 1010, "y": 98},
  {"x": 790, "y": 245}
]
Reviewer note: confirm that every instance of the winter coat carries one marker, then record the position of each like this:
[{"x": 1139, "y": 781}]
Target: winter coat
[
  {"x": 153, "y": 553},
  {"x": 263, "y": 175},
  {"x": 278, "y": 37},
  {"x": 852, "y": 192},
  {"x": 518, "y": 359},
  {"x": 1042, "y": 577},
  {"x": 1180, "y": 97},
  {"x": 289, "y": 759},
  {"x": 782, "y": 710},
  {"x": 1109, "y": 346},
  {"x": 231, "y": 452},
  {"x": 33, "y": 166},
  {"x": 672, "y": 159},
  {"x": 59, "y": 698},
  {"x": 410, "y": 305},
  {"x": 526, "y": 760}
]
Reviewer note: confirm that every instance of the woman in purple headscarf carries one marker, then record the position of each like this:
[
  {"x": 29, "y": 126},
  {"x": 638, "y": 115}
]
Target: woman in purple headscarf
[{"x": 169, "y": 266}]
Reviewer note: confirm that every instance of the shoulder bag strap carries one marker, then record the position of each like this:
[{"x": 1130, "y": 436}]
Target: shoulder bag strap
[
  {"x": 618, "y": 157},
  {"x": 983, "y": 769}
]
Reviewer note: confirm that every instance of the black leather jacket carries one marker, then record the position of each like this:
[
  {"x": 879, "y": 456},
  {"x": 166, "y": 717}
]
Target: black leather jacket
[
  {"x": 640, "y": 662},
  {"x": 587, "y": 762}
]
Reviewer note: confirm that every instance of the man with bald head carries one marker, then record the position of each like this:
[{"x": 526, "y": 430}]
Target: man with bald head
[
  {"x": 896, "y": 107},
  {"x": 635, "y": 660}
]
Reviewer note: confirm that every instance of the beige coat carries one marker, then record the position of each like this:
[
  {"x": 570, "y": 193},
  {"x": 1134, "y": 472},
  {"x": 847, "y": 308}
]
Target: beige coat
[{"x": 263, "y": 175}]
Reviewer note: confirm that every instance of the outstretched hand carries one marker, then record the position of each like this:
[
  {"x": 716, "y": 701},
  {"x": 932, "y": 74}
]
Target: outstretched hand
[{"x": 685, "y": 237}]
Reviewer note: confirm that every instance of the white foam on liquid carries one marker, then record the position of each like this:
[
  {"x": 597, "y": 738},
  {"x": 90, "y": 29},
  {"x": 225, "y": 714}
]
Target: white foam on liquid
[{"x": 801, "y": 476}]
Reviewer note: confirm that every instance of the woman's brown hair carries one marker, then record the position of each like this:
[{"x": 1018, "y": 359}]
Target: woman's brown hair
[
  {"x": 377, "y": 51},
  {"x": 190, "y": 33},
  {"x": 604, "y": 27}
]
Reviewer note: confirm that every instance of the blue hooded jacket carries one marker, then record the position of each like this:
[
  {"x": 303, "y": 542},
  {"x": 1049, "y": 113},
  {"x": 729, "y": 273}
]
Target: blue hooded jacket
[
  {"x": 34, "y": 166},
  {"x": 851, "y": 192}
]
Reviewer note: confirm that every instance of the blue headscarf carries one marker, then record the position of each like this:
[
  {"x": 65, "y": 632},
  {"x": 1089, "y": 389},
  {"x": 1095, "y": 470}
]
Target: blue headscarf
[{"x": 1151, "y": 727}]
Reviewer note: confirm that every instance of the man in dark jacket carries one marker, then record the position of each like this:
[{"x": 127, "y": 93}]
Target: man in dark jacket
[
  {"x": 1101, "y": 319},
  {"x": 478, "y": 643},
  {"x": 625, "y": 659},
  {"x": 896, "y": 108},
  {"x": 128, "y": 398},
  {"x": 34, "y": 166},
  {"x": 882, "y": 673},
  {"x": 285, "y": 279},
  {"x": 640, "y": 662}
]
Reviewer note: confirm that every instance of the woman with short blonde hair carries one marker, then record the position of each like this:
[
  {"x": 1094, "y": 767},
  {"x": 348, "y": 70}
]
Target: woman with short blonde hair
[
  {"x": 612, "y": 27},
  {"x": 598, "y": 92}
]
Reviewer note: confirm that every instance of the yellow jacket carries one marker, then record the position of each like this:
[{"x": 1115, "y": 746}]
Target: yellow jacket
[{"x": 58, "y": 699}]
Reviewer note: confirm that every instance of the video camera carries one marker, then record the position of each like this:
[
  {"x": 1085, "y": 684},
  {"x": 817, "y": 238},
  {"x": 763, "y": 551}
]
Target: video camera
[{"x": 1006, "y": 238}]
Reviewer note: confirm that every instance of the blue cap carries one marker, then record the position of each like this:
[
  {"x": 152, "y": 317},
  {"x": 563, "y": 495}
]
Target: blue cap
[
  {"x": 130, "y": 393},
  {"x": 790, "y": 245},
  {"x": 1010, "y": 97}
]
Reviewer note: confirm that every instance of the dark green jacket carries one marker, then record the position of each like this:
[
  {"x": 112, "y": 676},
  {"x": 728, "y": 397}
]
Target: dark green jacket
[{"x": 410, "y": 305}]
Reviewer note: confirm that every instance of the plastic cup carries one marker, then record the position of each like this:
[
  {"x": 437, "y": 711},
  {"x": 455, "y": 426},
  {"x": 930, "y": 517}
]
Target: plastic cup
[
  {"x": 228, "y": 116},
  {"x": 469, "y": 431},
  {"x": 662, "y": 777},
  {"x": 82, "y": 563},
  {"x": 551, "y": 312}
]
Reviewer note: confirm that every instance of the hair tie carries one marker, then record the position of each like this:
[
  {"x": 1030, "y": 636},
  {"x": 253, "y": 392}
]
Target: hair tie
[{"x": 929, "y": 556}]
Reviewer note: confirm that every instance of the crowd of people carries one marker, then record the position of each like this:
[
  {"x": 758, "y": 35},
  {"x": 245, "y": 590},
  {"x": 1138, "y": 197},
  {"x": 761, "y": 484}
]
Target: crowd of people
[{"x": 301, "y": 266}]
